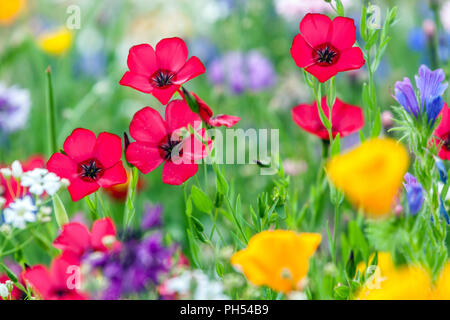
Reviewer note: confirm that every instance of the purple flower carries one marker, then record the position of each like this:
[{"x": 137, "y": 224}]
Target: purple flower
[
  {"x": 405, "y": 95},
  {"x": 414, "y": 193},
  {"x": 431, "y": 90},
  {"x": 261, "y": 72},
  {"x": 152, "y": 217},
  {"x": 15, "y": 106},
  {"x": 242, "y": 71},
  {"x": 139, "y": 265}
]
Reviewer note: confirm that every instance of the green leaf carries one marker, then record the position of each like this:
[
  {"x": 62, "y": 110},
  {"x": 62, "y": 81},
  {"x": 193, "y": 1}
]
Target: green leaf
[
  {"x": 221, "y": 182},
  {"x": 376, "y": 129},
  {"x": 219, "y": 270},
  {"x": 340, "y": 8},
  {"x": 197, "y": 224},
  {"x": 350, "y": 266},
  {"x": 201, "y": 201},
  {"x": 12, "y": 276},
  {"x": 336, "y": 146},
  {"x": 60, "y": 211},
  {"x": 364, "y": 23}
]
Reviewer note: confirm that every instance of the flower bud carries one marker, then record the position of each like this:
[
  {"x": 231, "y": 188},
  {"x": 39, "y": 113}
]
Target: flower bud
[
  {"x": 16, "y": 169},
  {"x": 429, "y": 27},
  {"x": 387, "y": 119}
]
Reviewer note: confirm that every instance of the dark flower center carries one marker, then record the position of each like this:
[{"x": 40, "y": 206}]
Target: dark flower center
[
  {"x": 162, "y": 78},
  {"x": 60, "y": 292},
  {"x": 168, "y": 146},
  {"x": 90, "y": 170},
  {"x": 325, "y": 54},
  {"x": 447, "y": 143}
]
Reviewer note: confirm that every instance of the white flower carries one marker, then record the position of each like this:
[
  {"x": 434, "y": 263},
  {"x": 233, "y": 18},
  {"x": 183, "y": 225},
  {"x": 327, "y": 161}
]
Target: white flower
[
  {"x": 20, "y": 212},
  {"x": 5, "y": 229},
  {"x": 197, "y": 285},
  {"x": 6, "y": 172},
  {"x": 445, "y": 13},
  {"x": 4, "y": 292},
  {"x": 40, "y": 180},
  {"x": 16, "y": 169}
]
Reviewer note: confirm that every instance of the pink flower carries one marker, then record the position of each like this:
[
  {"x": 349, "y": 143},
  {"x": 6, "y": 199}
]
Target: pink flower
[
  {"x": 54, "y": 283},
  {"x": 162, "y": 71},
  {"x": 77, "y": 239},
  {"x": 89, "y": 162},
  {"x": 158, "y": 141},
  {"x": 206, "y": 114},
  {"x": 325, "y": 47}
]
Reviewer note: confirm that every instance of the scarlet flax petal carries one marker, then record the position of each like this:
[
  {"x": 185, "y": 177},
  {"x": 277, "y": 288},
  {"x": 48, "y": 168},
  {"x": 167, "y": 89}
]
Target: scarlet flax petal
[
  {"x": 161, "y": 71},
  {"x": 325, "y": 47},
  {"x": 89, "y": 162}
]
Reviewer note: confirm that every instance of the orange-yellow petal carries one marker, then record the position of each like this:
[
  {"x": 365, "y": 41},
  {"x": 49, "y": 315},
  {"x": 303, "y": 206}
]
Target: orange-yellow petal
[
  {"x": 370, "y": 175},
  {"x": 9, "y": 10},
  {"x": 407, "y": 283},
  {"x": 278, "y": 259}
]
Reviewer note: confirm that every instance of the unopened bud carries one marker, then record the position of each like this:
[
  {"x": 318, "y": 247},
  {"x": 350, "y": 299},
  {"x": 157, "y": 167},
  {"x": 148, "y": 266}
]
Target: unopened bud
[
  {"x": 16, "y": 169},
  {"x": 429, "y": 27}
]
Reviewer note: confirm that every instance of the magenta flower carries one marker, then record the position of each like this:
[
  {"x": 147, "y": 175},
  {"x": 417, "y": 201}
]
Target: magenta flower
[{"x": 160, "y": 141}]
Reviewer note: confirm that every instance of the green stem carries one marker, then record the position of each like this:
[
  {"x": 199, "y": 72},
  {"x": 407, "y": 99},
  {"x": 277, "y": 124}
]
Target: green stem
[
  {"x": 336, "y": 228},
  {"x": 51, "y": 116},
  {"x": 130, "y": 210}
]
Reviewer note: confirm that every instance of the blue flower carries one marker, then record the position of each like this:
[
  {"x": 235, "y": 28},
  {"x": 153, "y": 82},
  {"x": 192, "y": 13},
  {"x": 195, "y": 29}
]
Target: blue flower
[
  {"x": 443, "y": 211},
  {"x": 441, "y": 168},
  {"x": 430, "y": 86},
  {"x": 414, "y": 193}
]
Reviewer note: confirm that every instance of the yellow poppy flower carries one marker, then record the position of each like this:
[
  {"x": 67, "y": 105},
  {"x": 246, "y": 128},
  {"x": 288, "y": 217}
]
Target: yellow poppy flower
[
  {"x": 406, "y": 283},
  {"x": 9, "y": 10},
  {"x": 385, "y": 264},
  {"x": 370, "y": 175},
  {"x": 278, "y": 259},
  {"x": 56, "y": 42},
  {"x": 442, "y": 291}
]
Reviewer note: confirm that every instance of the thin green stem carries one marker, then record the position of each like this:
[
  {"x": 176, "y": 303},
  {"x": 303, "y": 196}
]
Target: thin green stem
[{"x": 51, "y": 116}]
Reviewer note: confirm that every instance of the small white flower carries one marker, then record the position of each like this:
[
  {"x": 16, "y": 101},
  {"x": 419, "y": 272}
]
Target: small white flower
[
  {"x": 65, "y": 182},
  {"x": 6, "y": 172},
  {"x": 45, "y": 210},
  {"x": 52, "y": 183},
  {"x": 4, "y": 292},
  {"x": 198, "y": 285},
  {"x": 5, "y": 229},
  {"x": 20, "y": 212},
  {"x": 16, "y": 169},
  {"x": 40, "y": 180}
]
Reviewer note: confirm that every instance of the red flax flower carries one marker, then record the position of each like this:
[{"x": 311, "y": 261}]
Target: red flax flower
[
  {"x": 55, "y": 283},
  {"x": 9, "y": 188},
  {"x": 89, "y": 162},
  {"x": 162, "y": 71},
  {"x": 206, "y": 114},
  {"x": 442, "y": 132},
  {"x": 325, "y": 47},
  {"x": 159, "y": 141},
  {"x": 346, "y": 119},
  {"x": 77, "y": 239}
]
